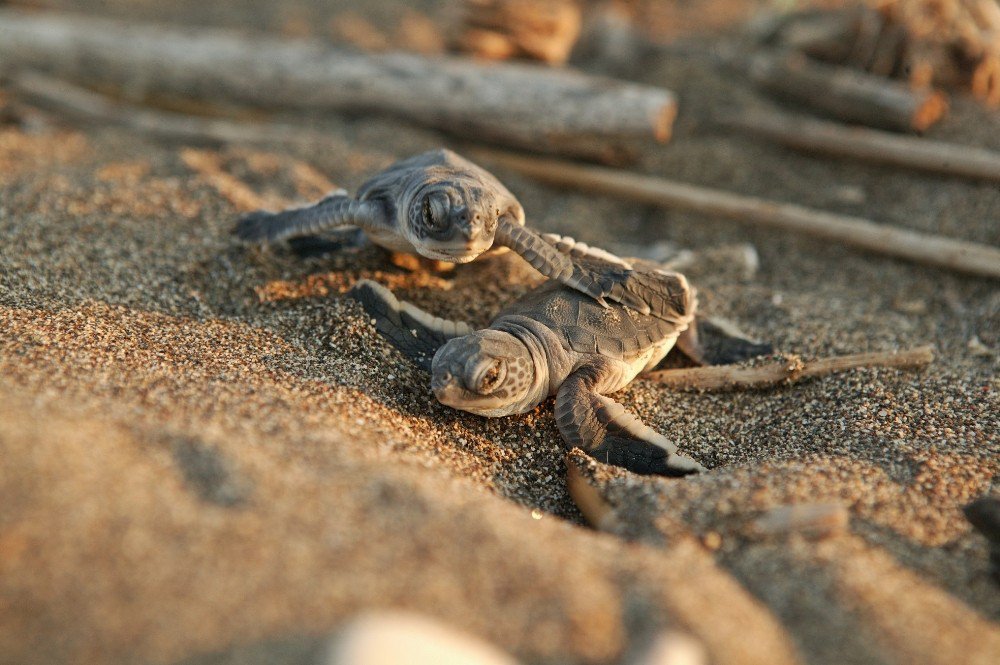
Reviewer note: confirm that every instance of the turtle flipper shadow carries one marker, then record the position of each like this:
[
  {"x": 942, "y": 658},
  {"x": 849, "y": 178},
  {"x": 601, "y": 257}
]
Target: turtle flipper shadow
[
  {"x": 338, "y": 240},
  {"x": 336, "y": 210},
  {"x": 416, "y": 333},
  {"x": 709, "y": 341},
  {"x": 606, "y": 431},
  {"x": 601, "y": 280}
]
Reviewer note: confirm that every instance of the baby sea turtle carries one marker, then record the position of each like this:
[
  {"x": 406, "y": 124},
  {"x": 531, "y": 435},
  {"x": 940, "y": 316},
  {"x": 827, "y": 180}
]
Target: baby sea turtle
[
  {"x": 444, "y": 207},
  {"x": 556, "y": 341}
]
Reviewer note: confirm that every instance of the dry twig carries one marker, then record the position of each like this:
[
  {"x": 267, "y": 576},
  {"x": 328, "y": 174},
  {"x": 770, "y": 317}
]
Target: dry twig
[
  {"x": 958, "y": 255},
  {"x": 869, "y": 145},
  {"x": 786, "y": 371}
]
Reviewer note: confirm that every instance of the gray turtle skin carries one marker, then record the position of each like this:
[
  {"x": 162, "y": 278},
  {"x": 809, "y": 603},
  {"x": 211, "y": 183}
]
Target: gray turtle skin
[
  {"x": 444, "y": 207},
  {"x": 553, "y": 341}
]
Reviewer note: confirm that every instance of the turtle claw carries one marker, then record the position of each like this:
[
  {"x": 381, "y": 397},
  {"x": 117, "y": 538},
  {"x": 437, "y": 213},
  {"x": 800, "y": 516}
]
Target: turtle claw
[
  {"x": 679, "y": 465},
  {"x": 634, "y": 302}
]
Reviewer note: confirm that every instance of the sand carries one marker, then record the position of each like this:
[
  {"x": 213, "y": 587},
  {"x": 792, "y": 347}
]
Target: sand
[{"x": 205, "y": 446}]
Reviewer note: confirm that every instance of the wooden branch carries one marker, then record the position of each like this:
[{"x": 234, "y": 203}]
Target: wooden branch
[
  {"x": 958, "y": 255},
  {"x": 848, "y": 94},
  {"x": 786, "y": 371},
  {"x": 530, "y": 106},
  {"x": 868, "y": 145},
  {"x": 66, "y": 97}
]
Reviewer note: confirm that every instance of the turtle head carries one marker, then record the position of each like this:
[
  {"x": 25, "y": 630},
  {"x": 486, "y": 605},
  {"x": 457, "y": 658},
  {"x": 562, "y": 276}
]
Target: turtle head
[
  {"x": 454, "y": 219},
  {"x": 489, "y": 373}
]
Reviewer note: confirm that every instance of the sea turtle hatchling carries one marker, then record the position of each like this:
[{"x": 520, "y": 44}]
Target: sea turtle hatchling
[
  {"x": 440, "y": 205},
  {"x": 556, "y": 341}
]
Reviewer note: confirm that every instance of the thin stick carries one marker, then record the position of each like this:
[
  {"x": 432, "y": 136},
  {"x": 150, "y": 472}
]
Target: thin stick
[
  {"x": 787, "y": 371},
  {"x": 869, "y": 145},
  {"x": 81, "y": 102},
  {"x": 595, "y": 508},
  {"x": 958, "y": 255}
]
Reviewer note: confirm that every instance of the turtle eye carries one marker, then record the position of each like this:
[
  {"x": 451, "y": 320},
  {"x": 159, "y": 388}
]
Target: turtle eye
[
  {"x": 491, "y": 376},
  {"x": 434, "y": 212}
]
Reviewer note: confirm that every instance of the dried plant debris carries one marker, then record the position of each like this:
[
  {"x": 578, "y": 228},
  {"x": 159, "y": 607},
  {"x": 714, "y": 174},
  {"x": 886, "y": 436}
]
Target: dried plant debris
[
  {"x": 951, "y": 44},
  {"x": 543, "y": 30}
]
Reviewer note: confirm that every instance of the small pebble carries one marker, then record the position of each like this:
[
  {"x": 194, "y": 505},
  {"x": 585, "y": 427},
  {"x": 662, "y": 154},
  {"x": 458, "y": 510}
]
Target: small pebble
[
  {"x": 673, "y": 648},
  {"x": 391, "y": 638},
  {"x": 977, "y": 348},
  {"x": 712, "y": 540},
  {"x": 810, "y": 520},
  {"x": 909, "y": 306},
  {"x": 851, "y": 194}
]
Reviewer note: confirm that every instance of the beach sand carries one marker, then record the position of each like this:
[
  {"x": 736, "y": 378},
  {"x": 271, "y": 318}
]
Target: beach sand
[{"x": 205, "y": 446}]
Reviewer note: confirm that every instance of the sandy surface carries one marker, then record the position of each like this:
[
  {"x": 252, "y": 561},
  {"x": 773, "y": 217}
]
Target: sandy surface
[{"x": 205, "y": 446}]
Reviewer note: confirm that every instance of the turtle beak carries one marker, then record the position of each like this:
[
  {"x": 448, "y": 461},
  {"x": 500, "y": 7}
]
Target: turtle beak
[{"x": 470, "y": 224}]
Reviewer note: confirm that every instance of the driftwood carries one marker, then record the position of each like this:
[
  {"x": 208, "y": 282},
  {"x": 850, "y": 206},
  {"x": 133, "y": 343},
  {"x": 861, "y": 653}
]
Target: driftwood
[
  {"x": 785, "y": 371},
  {"x": 529, "y": 106},
  {"x": 869, "y": 145},
  {"x": 53, "y": 93},
  {"x": 543, "y": 30},
  {"x": 953, "y": 44},
  {"x": 958, "y": 255},
  {"x": 847, "y": 94}
]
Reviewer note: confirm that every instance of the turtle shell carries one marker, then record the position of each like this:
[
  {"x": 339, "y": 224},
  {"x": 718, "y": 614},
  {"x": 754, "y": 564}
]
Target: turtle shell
[{"x": 616, "y": 331}]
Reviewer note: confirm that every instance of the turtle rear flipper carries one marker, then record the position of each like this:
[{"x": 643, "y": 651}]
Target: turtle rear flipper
[
  {"x": 709, "y": 341},
  {"x": 336, "y": 210},
  {"x": 416, "y": 333},
  {"x": 602, "y": 282},
  {"x": 605, "y": 430}
]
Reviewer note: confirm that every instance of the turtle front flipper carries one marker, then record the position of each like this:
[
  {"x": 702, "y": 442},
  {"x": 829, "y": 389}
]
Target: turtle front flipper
[
  {"x": 336, "y": 210},
  {"x": 416, "y": 333},
  {"x": 605, "y": 430},
  {"x": 607, "y": 283},
  {"x": 711, "y": 341},
  {"x": 579, "y": 250}
]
